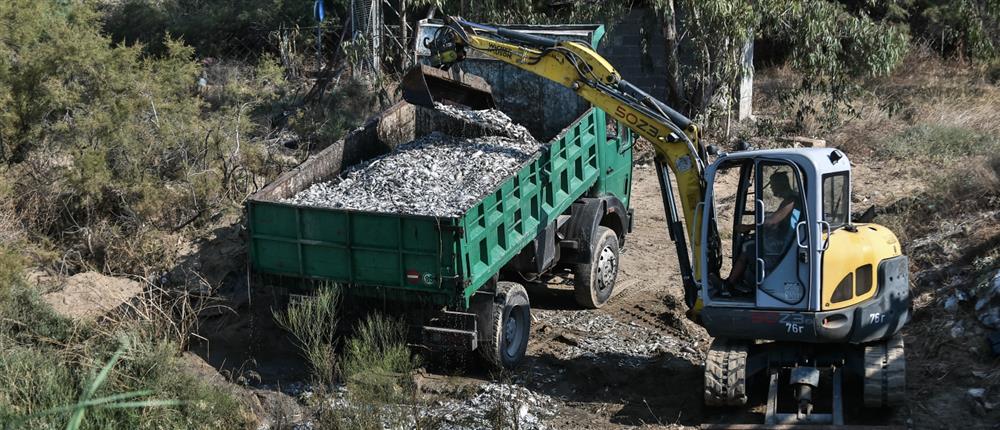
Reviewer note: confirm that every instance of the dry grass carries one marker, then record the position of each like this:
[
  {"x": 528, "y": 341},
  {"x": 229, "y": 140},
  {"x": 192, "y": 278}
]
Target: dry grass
[
  {"x": 926, "y": 107},
  {"x": 47, "y": 361}
]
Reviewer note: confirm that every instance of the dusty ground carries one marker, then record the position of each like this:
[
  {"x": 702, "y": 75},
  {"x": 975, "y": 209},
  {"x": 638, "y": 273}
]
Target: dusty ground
[{"x": 635, "y": 362}]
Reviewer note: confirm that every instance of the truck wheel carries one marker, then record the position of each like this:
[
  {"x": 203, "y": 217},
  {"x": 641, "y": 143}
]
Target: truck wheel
[
  {"x": 505, "y": 339},
  {"x": 885, "y": 373},
  {"x": 594, "y": 282},
  {"x": 726, "y": 373}
]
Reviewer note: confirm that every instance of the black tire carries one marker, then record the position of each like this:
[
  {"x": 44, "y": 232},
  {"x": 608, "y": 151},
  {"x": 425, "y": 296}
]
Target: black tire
[
  {"x": 594, "y": 282},
  {"x": 885, "y": 374},
  {"x": 505, "y": 337},
  {"x": 726, "y": 373}
]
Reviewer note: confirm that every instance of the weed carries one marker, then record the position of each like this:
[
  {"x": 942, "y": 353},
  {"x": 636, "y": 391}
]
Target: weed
[
  {"x": 313, "y": 322},
  {"x": 378, "y": 369},
  {"x": 377, "y": 363},
  {"x": 939, "y": 142}
]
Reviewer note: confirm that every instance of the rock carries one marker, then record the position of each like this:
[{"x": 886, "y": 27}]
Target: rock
[
  {"x": 988, "y": 303},
  {"x": 957, "y": 330},
  {"x": 951, "y": 304},
  {"x": 90, "y": 295},
  {"x": 569, "y": 339}
]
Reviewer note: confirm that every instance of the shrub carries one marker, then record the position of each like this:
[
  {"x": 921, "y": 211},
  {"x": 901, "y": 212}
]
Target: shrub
[
  {"x": 378, "y": 369},
  {"x": 377, "y": 362},
  {"x": 47, "y": 362},
  {"x": 103, "y": 143},
  {"x": 313, "y": 322}
]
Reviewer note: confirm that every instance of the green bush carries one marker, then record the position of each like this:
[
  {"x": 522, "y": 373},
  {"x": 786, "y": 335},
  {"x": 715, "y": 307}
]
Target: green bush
[
  {"x": 378, "y": 368},
  {"x": 215, "y": 27},
  {"x": 47, "y": 362},
  {"x": 313, "y": 322},
  {"x": 104, "y": 143},
  {"x": 377, "y": 363}
]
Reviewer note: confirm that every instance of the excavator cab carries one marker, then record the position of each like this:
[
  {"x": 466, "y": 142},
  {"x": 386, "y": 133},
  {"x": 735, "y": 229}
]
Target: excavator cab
[
  {"x": 765, "y": 219},
  {"x": 803, "y": 281}
]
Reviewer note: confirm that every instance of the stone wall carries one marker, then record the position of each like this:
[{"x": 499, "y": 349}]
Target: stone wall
[{"x": 623, "y": 46}]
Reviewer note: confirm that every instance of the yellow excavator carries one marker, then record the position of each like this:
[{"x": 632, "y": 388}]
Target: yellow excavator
[{"x": 812, "y": 299}]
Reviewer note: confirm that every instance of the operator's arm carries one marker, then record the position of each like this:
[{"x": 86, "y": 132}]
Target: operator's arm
[
  {"x": 773, "y": 219},
  {"x": 781, "y": 214}
]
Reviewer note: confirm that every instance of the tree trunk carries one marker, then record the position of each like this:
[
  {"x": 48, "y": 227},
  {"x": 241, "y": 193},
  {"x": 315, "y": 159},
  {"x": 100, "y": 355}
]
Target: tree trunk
[{"x": 675, "y": 82}]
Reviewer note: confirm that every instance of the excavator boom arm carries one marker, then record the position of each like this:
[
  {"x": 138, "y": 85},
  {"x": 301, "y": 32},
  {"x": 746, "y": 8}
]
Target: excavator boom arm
[{"x": 577, "y": 66}]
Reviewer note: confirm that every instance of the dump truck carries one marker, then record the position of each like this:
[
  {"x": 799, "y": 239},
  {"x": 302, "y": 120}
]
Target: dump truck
[{"x": 459, "y": 280}]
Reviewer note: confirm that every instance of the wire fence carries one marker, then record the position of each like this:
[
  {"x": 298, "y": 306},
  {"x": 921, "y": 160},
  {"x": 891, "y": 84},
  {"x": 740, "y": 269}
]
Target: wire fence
[{"x": 372, "y": 37}]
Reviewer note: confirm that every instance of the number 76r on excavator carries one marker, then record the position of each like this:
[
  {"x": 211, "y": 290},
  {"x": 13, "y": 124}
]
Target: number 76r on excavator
[{"x": 811, "y": 295}]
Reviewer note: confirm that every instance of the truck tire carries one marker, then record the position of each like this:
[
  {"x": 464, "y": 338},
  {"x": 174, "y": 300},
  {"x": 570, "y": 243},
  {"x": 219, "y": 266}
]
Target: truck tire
[
  {"x": 505, "y": 338},
  {"x": 885, "y": 373},
  {"x": 726, "y": 373},
  {"x": 593, "y": 282}
]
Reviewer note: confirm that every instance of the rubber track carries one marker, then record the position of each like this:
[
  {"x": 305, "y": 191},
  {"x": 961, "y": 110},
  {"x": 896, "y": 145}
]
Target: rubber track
[
  {"x": 725, "y": 373},
  {"x": 885, "y": 374}
]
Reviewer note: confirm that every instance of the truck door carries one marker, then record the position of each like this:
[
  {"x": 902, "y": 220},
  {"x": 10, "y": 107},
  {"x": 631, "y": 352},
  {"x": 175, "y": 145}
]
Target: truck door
[
  {"x": 615, "y": 155},
  {"x": 780, "y": 210}
]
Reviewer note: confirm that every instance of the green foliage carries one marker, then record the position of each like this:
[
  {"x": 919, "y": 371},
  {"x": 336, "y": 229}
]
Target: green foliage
[
  {"x": 50, "y": 366},
  {"x": 530, "y": 11},
  {"x": 102, "y": 142},
  {"x": 214, "y": 27},
  {"x": 833, "y": 47},
  {"x": 377, "y": 363},
  {"x": 378, "y": 368},
  {"x": 313, "y": 322},
  {"x": 968, "y": 28}
]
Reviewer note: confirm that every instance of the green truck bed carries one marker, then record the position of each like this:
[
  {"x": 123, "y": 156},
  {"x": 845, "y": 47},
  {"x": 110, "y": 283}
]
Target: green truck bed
[
  {"x": 443, "y": 259},
  {"x": 446, "y": 260}
]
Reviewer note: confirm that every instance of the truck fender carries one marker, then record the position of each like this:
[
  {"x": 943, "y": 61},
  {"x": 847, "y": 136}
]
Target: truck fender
[{"x": 586, "y": 215}]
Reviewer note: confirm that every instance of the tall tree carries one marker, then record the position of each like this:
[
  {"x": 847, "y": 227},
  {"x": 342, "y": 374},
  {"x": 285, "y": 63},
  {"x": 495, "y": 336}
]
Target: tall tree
[{"x": 828, "y": 43}]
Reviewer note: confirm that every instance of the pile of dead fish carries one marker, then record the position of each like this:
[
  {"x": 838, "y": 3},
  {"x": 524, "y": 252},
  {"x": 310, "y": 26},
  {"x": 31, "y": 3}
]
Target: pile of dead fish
[
  {"x": 601, "y": 336},
  {"x": 495, "y": 405},
  {"x": 487, "y": 118},
  {"x": 436, "y": 175}
]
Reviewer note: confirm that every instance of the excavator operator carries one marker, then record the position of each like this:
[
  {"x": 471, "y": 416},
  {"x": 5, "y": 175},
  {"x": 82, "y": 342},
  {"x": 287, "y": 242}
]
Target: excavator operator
[{"x": 779, "y": 227}]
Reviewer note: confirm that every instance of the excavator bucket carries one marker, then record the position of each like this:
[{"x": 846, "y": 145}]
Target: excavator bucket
[{"x": 423, "y": 85}]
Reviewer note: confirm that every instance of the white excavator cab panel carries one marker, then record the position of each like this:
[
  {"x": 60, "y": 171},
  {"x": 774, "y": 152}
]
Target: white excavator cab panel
[{"x": 767, "y": 208}]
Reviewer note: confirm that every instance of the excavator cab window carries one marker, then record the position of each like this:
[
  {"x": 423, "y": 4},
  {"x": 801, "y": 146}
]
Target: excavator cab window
[
  {"x": 836, "y": 195},
  {"x": 734, "y": 208}
]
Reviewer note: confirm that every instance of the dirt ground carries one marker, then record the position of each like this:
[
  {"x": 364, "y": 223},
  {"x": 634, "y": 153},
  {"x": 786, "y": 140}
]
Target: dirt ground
[{"x": 635, "y": 362}]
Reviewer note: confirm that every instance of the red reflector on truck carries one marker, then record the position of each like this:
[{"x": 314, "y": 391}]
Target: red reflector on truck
[{"x": 412, "y": 277}]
